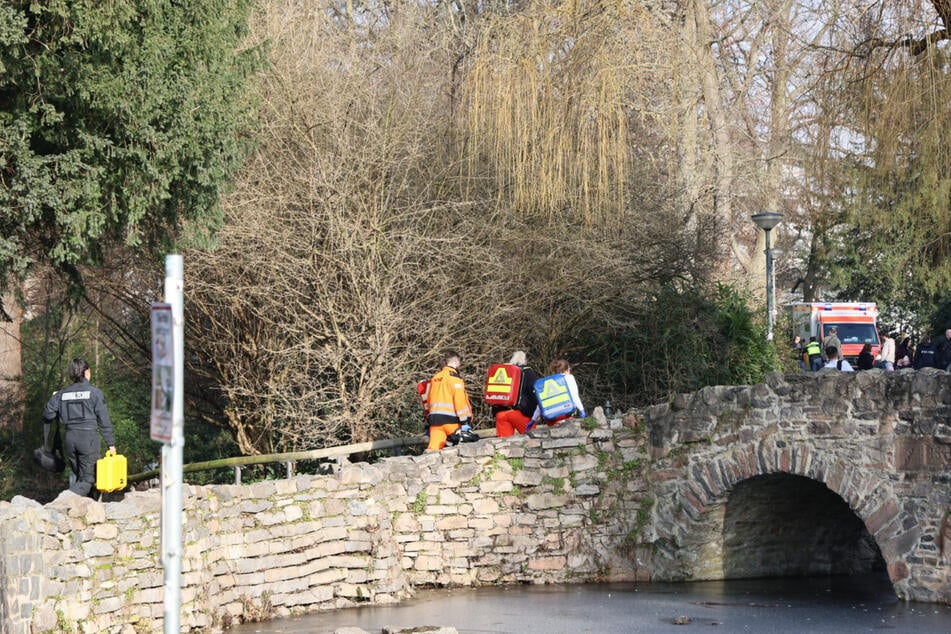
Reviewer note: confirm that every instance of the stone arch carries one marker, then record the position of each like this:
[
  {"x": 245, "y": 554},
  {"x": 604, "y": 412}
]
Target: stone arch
[
  {"x": 689, "y": 521},
  {"x": 782, "y": 525}
]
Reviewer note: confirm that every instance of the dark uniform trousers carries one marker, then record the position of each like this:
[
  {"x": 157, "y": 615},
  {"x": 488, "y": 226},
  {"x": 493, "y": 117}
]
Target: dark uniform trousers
[{"x": 82, "y": 451}]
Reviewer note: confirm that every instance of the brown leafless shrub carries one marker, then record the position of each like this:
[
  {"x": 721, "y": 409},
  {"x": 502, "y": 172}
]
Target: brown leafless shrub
[{"x": 360, "y": 242}]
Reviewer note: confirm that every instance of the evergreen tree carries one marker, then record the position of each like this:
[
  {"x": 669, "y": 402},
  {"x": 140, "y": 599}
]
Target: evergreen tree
[{"x": 120, "y": 122}]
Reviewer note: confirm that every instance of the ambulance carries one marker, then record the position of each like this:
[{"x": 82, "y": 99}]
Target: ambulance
[{"x": 857, "y": 324}]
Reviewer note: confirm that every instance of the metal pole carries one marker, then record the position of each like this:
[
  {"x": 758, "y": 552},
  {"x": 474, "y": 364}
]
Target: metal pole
[
  {"x": 770, "y": 291},
  {"x": 172, "y": 454}
]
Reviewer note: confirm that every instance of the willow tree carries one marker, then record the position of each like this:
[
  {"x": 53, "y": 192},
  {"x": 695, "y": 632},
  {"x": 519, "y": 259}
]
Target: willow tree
[
  {"x": 893, "y": 240},
  {"x": 552, "y": 94}
]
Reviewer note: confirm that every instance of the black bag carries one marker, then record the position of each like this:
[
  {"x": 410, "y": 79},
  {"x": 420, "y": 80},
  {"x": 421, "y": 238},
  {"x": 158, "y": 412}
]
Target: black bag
[
  {"x": 461, "y": 437},
  {"x": 50, "y": 459}
]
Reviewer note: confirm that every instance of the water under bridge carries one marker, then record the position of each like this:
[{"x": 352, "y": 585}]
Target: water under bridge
[{"x": 805, "y": 474}]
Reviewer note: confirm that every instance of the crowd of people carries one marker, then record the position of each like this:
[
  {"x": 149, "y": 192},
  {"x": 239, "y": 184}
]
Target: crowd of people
[
  {"x": 448, "y": 413},
  {"x": 891, "y": 356}
]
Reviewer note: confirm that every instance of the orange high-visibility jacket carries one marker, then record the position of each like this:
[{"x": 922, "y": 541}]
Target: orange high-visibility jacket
[{"x": 448, "y": 401}]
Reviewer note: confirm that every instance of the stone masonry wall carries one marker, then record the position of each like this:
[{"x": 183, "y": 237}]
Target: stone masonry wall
[
  {"x": 642, "y": 499},
  {"x": 561, "y": 507}
]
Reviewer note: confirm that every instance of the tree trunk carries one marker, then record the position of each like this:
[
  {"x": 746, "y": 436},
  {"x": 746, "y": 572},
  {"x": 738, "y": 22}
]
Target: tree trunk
[
  {"x": 723, "y": 151},
  {"x": 11, "y": 366}
]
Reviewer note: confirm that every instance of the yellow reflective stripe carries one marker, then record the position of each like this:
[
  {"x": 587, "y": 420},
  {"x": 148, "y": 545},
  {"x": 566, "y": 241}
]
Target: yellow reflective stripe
[
  {"x": 500, "y": 376},
  {"x": 555, "y": 400},
  {"x": 552, "y": 389}
]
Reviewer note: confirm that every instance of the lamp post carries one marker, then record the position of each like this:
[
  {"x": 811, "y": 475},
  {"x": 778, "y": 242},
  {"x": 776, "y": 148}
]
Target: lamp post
[{"x": 766, "y": 221}]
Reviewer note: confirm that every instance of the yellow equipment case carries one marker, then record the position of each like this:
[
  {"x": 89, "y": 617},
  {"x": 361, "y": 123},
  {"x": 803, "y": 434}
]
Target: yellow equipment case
[{"x": 111, "y": 473}]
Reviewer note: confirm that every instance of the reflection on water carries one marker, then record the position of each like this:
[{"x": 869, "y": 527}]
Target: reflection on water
[{"x": 839, "y": 605}]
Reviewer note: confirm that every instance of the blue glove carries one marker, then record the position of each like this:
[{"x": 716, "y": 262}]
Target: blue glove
[
  {"x": 583, "y": 414},
  {"x": 465, "y": 427}
]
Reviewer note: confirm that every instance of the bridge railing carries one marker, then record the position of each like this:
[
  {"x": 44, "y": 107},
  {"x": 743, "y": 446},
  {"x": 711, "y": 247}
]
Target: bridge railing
[{"x": 290, "y": 459}]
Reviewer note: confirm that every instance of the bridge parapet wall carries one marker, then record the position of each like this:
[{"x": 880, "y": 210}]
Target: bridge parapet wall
[
  {"x": 881, "y": 441},
  {"x": 571, "y": 504},
  {"x": 560, "y": 507}
]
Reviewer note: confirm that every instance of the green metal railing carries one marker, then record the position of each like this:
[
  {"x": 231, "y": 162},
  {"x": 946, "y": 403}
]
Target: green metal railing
[{"x": 289, "y": 459}]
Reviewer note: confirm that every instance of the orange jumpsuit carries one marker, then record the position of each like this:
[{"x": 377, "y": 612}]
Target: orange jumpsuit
[
  {"x": 508, "y": 421},
  {"x": 448, "y": 406}
]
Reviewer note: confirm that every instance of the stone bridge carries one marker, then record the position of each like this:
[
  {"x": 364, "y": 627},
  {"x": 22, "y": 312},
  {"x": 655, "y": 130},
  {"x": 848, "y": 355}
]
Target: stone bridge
[{"x": 827, "y": 473}]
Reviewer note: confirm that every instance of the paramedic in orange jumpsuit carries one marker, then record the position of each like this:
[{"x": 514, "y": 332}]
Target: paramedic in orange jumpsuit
[
  {"x": 509, "y": 420},
  {"x": 449, "y": 409}
]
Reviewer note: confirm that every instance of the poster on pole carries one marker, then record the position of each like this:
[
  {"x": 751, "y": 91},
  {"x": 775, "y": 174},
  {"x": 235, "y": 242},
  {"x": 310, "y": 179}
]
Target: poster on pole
[{"x": 163, "y": 373}]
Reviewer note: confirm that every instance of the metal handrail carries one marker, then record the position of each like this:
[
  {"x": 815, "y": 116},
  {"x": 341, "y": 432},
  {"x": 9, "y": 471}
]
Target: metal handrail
[{"x": 290, "y": 458}]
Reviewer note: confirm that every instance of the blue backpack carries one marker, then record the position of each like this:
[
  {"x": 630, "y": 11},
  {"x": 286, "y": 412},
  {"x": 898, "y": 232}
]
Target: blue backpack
[{"x": 554, "y": 399}]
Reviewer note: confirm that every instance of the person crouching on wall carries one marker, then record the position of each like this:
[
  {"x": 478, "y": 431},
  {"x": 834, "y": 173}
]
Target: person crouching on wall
[
  {"x": 563, "y": 368},
  {"x": 449, "y": 409}
]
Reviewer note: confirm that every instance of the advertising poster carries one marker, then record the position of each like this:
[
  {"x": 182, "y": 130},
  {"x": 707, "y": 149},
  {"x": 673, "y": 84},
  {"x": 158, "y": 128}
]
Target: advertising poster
[{"x": 163, "y": 373}]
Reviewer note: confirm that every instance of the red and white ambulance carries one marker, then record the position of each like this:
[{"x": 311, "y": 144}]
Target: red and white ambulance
[{"x": 857, "y": 324}]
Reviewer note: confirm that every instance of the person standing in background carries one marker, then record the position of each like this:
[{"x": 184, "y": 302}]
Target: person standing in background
[
  {"x": 832, "y": 340},
  {"x": 835, "y": 363},
  {"x": 814, "y": 353},
  {"x": 904, "y": 353},
  {"x": 886, "y": 356},
  {"x": 799, "y": 351},
  {"x": 943, "y": 356},
  {"x": 925, "y": 353}
]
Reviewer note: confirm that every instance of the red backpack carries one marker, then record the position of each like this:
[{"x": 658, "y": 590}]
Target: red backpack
[
  {"x": 502, "y": 385},
  {"x": 422, "y": 389}
]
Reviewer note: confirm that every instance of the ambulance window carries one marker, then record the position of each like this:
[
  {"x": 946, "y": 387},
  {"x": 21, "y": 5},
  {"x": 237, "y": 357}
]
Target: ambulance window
[{"x": 857, "y": 333}]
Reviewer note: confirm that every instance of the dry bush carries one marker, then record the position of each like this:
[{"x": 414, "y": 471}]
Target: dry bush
[
  {"x": 338, "y": 274},
  {"x": 361, "y": 240}
]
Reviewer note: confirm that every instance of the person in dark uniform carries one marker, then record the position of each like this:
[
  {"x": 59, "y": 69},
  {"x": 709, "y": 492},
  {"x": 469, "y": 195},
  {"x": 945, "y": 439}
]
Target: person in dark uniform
[{"x": 81, "y": 408}]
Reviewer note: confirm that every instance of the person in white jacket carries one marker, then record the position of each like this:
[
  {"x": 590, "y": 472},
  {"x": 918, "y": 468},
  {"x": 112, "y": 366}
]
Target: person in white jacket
[
  {"x": 562, "y": 368},
  {"x": 835, "y": 363},
  {"x": 886, "y": 357}
]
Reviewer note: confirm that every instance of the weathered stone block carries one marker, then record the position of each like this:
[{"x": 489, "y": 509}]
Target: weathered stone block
[
  {"x": 546, "y": 501},
  {"x": 428, "y": 563},
  {"x": 547, "y": 563},
  {"x": 562, "y": 443},
  {"x": 452, "y": 522},
  {"x": 496, "y": 486}
]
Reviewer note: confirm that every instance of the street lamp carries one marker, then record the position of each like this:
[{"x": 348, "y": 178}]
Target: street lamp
[{"x": 766, "y": 221}]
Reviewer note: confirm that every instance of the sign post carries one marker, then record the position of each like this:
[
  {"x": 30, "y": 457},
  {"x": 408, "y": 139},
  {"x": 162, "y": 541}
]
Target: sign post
[{"x": 167, "y": 426}]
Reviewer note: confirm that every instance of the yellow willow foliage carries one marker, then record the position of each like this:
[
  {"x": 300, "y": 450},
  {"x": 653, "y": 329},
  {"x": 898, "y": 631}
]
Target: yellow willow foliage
[
  {"x": 549, "y": 106},
  {"x": 905, "y": 194}
]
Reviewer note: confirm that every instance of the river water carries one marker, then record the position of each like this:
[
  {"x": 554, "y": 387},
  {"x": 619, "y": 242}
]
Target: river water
[{"x": 837, "y": 605}]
